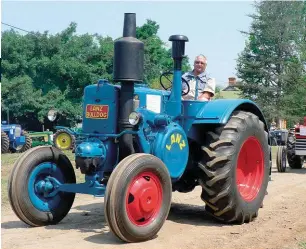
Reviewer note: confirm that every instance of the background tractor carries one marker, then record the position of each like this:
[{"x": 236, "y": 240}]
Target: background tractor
[
  {"x": 64, "y": 138},
  {"x": 295, "y": 149},
  {"x": 140, "y": 144},
  {"x": 41, "y": 138},
  {"x": 14, "y": 138},
  {"x": 278, "y": 137}
]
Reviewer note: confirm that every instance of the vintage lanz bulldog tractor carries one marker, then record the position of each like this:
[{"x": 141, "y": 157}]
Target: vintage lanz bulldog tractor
[{"x": 141, "y": 144}]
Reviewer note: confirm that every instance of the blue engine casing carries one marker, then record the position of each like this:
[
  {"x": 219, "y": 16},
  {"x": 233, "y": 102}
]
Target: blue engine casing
[
  {"x": 171, "y": 146},
  {"x": 100, "y": 108},
  {"x": 98, "y": 152}
]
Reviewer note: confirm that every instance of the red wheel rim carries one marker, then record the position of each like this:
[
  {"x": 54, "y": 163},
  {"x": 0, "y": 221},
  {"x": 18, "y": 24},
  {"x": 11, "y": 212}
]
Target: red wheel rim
[
  {"x": 144, "y": 198},
  {"x": 250, "y": 169}
]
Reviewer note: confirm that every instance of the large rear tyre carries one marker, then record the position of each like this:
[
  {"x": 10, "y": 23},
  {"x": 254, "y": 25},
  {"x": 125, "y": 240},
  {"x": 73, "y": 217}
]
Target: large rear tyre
[
  {"x": 138, "y": 198},
  {"x": 5, "y": 143},
  {"x": 63, "y": 140},
  {"x": 29, "y": 189},
  {"x": 234, "y": 170},
  {"x": 28, "y": 143},
  {"x": 281, "y": 159},
  {"x": 294, "y": 161}
]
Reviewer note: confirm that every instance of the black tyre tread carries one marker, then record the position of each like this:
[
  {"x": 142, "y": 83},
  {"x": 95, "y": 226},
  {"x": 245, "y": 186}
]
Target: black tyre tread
[
  {"x": 28, "y": 143},
  {"x": 5, "y": 142},
  {"x": 216, "y": 188},
  {"x": 126, "y": 166},
  {"x": 112, "y": 225},
  {"x": 294, "y": 161},
  {"x": 121, "y": 169},
  {"x": 13, "y": 202},
  {"x": 57, "y": 133},
  {"x": 20, "y": 204},
  {"x": 279, "y": 158}
]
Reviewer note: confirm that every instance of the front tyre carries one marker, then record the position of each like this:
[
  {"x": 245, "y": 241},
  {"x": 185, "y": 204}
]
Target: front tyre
[
  {"x": 29, "y": 188},
  {"x": 281, "y": 159},
  {"x": 234, "y": 170},
  {"x": 138, "y": 197}
]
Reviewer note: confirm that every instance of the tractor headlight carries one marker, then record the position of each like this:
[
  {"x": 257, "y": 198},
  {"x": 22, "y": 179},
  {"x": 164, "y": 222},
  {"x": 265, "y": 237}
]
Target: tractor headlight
[
  {"x": 52, "y": 114},
  {"x": 134, "y": 118}
]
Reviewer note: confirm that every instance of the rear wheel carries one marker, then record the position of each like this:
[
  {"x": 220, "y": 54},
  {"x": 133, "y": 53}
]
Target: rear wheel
[
  {"x": 138, "y": 197},
  {"x": 281, "y": 160},
  {"x": 30, "y": 191},
  {"x": 234, "y": 170},
  {"x": 294, "y": 161},
  {"x": 63, "y": 140},
  {"x": 5, "y": 142}
]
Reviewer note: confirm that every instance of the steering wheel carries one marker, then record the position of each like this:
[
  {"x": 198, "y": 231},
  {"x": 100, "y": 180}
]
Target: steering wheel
[{"x": 165, "y": 81}]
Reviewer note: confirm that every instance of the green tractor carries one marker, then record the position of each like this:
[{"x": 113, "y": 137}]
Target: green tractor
[
  {"x": 63, "y": 138},
  {"x": 41, "y": 138}
]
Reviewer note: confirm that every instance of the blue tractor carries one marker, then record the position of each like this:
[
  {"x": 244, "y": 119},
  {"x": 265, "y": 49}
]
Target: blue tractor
[
  {"x": 141, "y": 144},
  {"x": 14, "y": 139}
]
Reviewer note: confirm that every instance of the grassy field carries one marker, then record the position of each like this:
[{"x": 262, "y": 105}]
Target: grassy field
[{"x": 302, "y": 245}]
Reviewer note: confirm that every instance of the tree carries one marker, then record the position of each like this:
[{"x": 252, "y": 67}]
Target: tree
[
  {"x": 43, "y": 71},
  {"x": 157, "y": 57},
  {"x": 274, "y": 41}
]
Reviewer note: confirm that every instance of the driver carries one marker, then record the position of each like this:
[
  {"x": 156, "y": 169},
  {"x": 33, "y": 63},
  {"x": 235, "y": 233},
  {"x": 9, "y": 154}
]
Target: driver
[{"x": 202, "y": 86}]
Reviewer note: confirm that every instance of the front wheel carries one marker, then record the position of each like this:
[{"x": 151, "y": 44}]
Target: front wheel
[
  {"x": 234, "y": 170},
  {"x": 281, "y": 159},
  {"x": 138, "y": 197},
  {"x": 30, "y": 191}
]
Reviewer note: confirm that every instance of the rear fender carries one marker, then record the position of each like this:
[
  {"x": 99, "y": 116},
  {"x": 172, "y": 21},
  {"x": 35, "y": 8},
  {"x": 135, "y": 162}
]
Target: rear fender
[{"x": 218, "y": 112}]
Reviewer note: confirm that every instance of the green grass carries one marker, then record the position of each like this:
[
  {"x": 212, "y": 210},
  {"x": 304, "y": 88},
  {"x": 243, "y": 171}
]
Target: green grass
[
  {"x": 302, "y": 245},
  {"x": 228, "y": 95},
  {"x": 274, "y": 150}
]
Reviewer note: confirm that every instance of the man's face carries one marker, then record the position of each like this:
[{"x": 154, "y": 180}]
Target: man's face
[{"x": 199, "y": 65}]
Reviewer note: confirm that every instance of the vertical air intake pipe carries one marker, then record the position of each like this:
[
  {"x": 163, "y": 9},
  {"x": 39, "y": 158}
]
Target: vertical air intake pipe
[
  {"x": 128, "y": 68},
  {"x": 178, "y": 51}
]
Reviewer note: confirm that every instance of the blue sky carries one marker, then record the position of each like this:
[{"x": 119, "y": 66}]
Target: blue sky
[{"x": 211, "y": 26}]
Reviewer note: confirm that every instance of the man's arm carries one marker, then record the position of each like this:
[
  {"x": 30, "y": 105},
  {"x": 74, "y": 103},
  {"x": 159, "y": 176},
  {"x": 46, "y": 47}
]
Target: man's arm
[{"x": 209, "y": 90}]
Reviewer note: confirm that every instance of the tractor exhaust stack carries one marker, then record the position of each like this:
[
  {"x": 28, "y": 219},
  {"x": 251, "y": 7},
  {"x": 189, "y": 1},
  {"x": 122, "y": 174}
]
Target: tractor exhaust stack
[{"x": 128, "y": 68}]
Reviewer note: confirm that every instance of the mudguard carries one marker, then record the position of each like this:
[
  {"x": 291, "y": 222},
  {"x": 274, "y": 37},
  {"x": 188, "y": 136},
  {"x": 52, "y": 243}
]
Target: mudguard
[{"x": 216, "y": 112}]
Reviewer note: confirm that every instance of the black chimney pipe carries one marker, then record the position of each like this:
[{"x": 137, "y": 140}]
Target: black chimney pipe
[{"x": 128, "y": 68}]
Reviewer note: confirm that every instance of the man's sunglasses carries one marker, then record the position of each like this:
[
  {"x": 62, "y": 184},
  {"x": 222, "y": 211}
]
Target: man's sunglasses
[{"x": 199, "y": 62}]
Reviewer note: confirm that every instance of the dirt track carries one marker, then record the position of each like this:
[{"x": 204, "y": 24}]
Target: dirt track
[{"x": 281, "y": 223}]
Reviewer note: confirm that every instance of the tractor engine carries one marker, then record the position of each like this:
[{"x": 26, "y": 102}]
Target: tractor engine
[
  {"x": 104, "y": 104},
  {"x": 99, "y": 117}
]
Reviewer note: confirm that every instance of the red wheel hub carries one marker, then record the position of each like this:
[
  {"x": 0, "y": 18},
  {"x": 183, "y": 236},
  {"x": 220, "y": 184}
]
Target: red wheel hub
[
  {"x": 250, "y": 169},
  {"x": 144, "y": 198}
]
